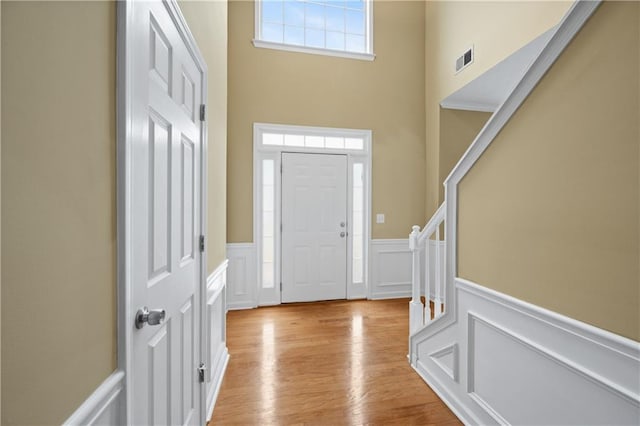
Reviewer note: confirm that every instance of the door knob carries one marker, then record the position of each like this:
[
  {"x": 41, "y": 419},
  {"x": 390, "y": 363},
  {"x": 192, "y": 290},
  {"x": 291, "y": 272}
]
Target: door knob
[
  {"x": 151, "y": 317},
  {"x": 342, "y": 234},
  {"x": 342, "y": 224}
]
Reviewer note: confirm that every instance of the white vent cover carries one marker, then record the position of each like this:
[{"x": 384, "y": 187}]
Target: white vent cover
[{"x": 464, "y": 60}]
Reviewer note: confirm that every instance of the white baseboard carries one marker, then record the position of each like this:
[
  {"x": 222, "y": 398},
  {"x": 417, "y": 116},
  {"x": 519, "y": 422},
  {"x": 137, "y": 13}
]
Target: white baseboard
[
  {"x": 105, "y": 406},
  {"x": 390, "y": 269},
  {"x": 242, "y": 289},
  {"x": 218, "y": 376},
  {"x": 514, "y": 358}
]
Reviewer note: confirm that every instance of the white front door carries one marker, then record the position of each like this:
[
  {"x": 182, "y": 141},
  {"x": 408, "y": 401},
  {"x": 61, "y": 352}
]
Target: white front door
[
  {"x": 166, "y": 151},
  {"x": 314, "y": 227}
]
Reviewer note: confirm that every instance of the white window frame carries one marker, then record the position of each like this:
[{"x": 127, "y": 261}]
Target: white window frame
[
  {"x": 272, "y": 296},
  {"x": 366, "y": 56}
]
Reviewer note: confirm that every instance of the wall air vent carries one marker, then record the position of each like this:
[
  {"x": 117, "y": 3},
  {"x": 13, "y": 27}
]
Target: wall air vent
[{"x": 464, "y": 60}]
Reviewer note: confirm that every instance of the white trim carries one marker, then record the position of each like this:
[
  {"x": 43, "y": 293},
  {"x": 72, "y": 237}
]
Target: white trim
[
  {"x": 313, "y": 50},
  {"x": 216, "y": 362},
  {"x": 568, "y": 28},
  {"x": 365, "y": 56},
  {"x": 215, "y": 278},
  {"x": 391, "y": 258},
  {"x": 450, "y": 400},
  {"x": 268, "y": 297},
  {"x": 469, "y": 106},
  {"x": 124, "y": 50},
  {"x": 573, "y": 21},
  {"x": 598, "y": 369},
  {"x": 241, "y": 276},
  {"x": 600, "y": 361},
  {"x": 124, "y": 57},
  {"x": 218, "y": 383},
  {"x": 621, "y": 344},
  {"x": 104, "y": 406}
]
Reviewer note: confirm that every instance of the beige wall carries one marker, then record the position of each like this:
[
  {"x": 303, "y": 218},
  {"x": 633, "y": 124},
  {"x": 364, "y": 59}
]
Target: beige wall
[
  {"x": 208, "y": 23},
  {"x": 0, "y": 220},
  {"x": 496, "y": 30},
  {"x": 457, "y": 130},
  {"x": 386, "y": 96},
  {"x": 549, "y": 214},
  {"x": 58, "y": 198}
]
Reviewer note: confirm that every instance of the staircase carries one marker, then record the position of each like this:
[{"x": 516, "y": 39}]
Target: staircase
[{"x": 494, "y": 359}]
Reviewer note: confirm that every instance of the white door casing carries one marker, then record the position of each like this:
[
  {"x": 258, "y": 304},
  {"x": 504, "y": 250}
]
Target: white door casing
[
  {"x": 267, "y": 157},
  {"x": 314, "y": 227},
  {"x": 162, "y": 265}
]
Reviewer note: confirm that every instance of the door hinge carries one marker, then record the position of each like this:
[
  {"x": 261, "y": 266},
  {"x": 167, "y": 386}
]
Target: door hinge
[
  {"x": 280, "y": 286},
  {"x": 201, "y": 243},
  {"x": 201, "y": 369},
  {"x": 280, "y": 168},
  {"x": 202, "y": 112}
]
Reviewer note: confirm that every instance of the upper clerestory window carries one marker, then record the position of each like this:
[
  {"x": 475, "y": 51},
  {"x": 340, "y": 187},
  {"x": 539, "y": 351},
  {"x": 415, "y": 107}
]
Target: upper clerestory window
[{"x": 323, "y": 27}]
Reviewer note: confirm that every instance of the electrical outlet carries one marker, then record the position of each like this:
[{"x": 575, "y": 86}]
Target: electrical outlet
[{"x": 380, "y": 218}]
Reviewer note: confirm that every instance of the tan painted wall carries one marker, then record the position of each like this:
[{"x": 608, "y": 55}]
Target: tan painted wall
[
  {"x": 0, "y": 220},
  {"x": 457, "y": 130},
  {"x": 386, "y": 95},
  {"x": 58, "y": 198},
  {"x": 549, "y": 214},
  {"x": 208, "y": 23},
  {"x": 496, "y": 29}
]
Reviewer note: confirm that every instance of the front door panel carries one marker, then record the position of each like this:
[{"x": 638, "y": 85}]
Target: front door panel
[{"x": 314, "y": 240}]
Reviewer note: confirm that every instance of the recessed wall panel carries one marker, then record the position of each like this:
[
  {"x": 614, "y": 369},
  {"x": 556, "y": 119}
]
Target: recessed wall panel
[{"x": 554, "y": 390}]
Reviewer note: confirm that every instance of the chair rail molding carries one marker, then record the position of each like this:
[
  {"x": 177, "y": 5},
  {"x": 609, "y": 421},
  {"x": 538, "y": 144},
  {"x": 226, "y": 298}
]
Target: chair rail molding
[
  {"x": 504, "y": 343},
  {"x": 105, "y": 406}
]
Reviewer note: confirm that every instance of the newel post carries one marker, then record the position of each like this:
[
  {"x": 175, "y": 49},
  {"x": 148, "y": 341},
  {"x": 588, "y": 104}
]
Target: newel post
[{"x": 416, "y": 310}]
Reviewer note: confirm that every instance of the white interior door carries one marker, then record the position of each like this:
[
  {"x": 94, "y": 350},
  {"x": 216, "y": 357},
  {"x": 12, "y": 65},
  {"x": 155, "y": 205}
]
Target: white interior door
[
  {"x": 166, "y": 151},
  {"x": 314, "y": 227}
]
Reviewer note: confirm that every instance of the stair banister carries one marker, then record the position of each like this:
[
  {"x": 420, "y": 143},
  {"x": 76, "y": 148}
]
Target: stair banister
[
  {"x": 420, "y": 314},
  {"x": 416, "y": 308}
]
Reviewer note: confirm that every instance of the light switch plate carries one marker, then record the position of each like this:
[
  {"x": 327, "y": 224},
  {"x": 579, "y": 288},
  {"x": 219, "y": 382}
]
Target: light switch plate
[{"x": 380, "y": 218}]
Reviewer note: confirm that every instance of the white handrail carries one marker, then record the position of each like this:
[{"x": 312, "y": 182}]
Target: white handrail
[
  {"x": 434, "y": 222},
  {"x": 421, "y": 313}
]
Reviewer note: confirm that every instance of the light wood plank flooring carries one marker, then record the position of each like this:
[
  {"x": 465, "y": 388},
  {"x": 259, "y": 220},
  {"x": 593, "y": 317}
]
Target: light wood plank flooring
[{"x": 328, "y": 363}]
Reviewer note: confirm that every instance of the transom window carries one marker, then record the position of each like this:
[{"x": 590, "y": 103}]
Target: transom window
[{"x": 329, "y": 27}]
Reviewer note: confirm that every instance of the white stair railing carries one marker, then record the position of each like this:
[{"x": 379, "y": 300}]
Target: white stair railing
[{"x": 428, "y": 251}]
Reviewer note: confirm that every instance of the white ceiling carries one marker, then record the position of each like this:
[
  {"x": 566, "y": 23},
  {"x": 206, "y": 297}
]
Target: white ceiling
[{"x": 489, "y": 90}]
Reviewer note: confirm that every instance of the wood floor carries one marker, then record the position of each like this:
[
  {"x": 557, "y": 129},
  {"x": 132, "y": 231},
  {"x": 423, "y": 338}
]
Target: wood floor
[{"x": 328, "y": 363}]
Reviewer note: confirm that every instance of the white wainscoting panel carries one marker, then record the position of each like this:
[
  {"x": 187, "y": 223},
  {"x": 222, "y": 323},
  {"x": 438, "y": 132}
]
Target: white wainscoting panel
[
  {"x": 105, "y": 406},
  {"x": 242, "y": 288},
  {"x": 217, "y": 355},
  {"x": 522, "y": 364},
  {"x": 390, "y": 269}
]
